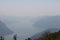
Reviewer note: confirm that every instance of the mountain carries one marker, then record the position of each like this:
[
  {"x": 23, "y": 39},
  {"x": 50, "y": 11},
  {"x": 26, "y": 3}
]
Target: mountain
[
  {"x": 4, "y": 30},
  {"x": 48, "y": 23},
  {"x": 39, "y": 34}
]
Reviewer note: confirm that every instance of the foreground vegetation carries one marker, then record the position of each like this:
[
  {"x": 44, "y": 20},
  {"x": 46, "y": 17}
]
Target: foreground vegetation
[
  {"x": 45, "y": 36},
  {"x": 50, "y": 36}
]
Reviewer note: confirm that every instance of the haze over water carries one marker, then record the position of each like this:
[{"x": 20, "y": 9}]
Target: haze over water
[{"x": 20, "y": 15}]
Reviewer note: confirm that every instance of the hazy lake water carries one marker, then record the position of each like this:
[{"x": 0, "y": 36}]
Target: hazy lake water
[
  {"x": 22, "y": 27},
  {"x": 24, "y": 31}
]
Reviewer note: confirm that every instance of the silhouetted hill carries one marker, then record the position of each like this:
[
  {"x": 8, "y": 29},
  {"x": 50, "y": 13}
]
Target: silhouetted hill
[
  {"x": 50, "y": 36},
  {"x": 51, "y": 30},
  {"x": 4, "y": 30}
]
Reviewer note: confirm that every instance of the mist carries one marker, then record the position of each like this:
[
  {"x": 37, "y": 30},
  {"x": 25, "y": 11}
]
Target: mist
[{"x": 23, "y": 17}]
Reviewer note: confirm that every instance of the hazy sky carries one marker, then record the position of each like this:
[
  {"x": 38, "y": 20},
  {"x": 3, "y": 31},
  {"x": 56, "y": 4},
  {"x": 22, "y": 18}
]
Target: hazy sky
[{"x": 29, "y": 7}]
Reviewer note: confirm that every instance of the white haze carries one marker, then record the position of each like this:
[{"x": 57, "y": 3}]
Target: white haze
[
  {"x": 19, "y": 16},
  {"x": 22, "y": 26}
]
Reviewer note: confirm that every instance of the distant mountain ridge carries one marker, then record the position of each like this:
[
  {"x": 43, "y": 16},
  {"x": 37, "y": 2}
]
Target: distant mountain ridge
[
  {"x": 48, "y": 23},
  {"x": 4, "y": 30}
]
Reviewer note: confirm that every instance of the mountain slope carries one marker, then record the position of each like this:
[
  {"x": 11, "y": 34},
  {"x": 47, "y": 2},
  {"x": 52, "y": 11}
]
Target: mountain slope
[
  {"x": 49, "y": 23},
  {"x": 50, "y": 36},
  {"x": 51, "y": 30},
  {"x": 4, "y": 30}
]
